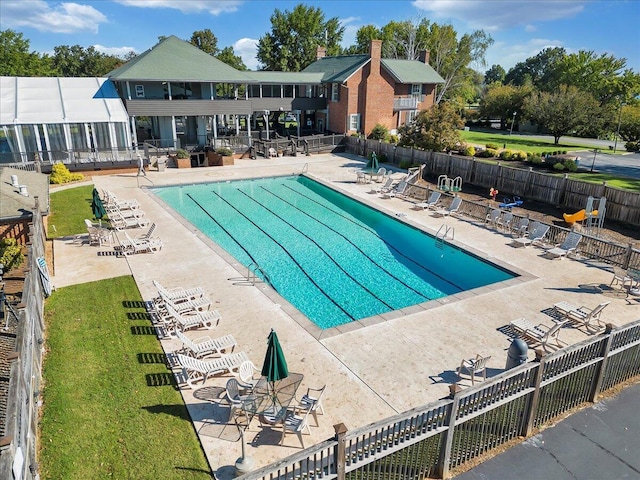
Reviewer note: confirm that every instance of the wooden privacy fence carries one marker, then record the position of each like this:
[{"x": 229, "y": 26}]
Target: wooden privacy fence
[
  {"x": 430, "y": 441},
  {"x": 622, "y": 205},
  {"x": 18, "y": 437},
  {"x": 297, "y": 145}
]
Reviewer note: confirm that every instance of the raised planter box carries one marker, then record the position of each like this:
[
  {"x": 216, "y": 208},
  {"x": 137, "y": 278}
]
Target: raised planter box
[{"x": 183, "y": 162}]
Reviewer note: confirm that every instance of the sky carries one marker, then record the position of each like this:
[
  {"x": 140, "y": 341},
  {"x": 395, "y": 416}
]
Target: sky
[{"x": 520, "y": 28}]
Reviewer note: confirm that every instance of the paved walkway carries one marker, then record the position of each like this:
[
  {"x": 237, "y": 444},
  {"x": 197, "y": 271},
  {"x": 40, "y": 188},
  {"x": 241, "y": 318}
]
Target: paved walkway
[
  {"x": 598, "y": 443},
  {"x": 374, "y": 368}
]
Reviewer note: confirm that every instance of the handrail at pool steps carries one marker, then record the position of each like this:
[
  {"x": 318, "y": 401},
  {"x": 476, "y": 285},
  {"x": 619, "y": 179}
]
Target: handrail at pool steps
[
  {"x": 441, "y": 238},
  {"x": 253, "y": 269}
]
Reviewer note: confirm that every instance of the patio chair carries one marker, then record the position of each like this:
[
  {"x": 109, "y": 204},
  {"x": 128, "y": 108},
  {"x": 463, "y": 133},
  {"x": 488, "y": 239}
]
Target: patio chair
[
  {"x": 182, "y": 304},
  {"x": 110, "y": 200},
  {"x": 431, "y": 202},
  {"x": 538, "y": 335},
  {"x": 453, "y": 208},
  {"x": 98, "y": 235},
  {"x": 119, "y": 222},
  {"x": 196, "y": 370},
  {"x": 361, "y": 177},
  {"x": 313, "y": 401},
  {"x": 397, "y": 191},
  {"x": 246, "y": 377},
  {"x": 521, "y": 228},
  {"x": 178, "y": 294},
  {"x": 131, "y": 246},
  {"x": 236, "y": 401},
  {"x": 621, "y": 277},
  {"x": 208, "y": 319},
  {"x": 205, "y": 346},
  {"x": 379, "y": 175},
  {"x": 536, "y": 235},
  {"x": 473, "y": 367},
  {"x": 567, "y": 247},
  {"x": 296, "y": 422},
  {"x": 492, "y": 217},
  {"x": 505, "y": 221},
  {"x": 582, "y": 316},
  {"x": 385, "y": 187}
]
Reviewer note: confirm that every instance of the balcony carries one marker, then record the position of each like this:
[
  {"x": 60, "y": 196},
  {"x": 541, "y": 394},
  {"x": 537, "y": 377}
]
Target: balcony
[{"x": 407, "y": 103}]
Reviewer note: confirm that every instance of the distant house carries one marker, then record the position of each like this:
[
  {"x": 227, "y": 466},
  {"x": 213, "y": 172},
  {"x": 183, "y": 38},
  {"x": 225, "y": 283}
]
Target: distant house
[{"x": 365, "y": 90}]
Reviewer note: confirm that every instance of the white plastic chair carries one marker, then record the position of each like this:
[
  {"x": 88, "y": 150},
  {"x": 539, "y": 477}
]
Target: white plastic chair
[
  {"x": 296, "y": 422},
  {"x": 473, "y": 367},
  {"x": 313, "y": 401},
  {"x": 246, "y": 378}
]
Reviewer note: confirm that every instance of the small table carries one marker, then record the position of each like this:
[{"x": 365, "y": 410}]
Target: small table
[{"x": 271, "y": 404}]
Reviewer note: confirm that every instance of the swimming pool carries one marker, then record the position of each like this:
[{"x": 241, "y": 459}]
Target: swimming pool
[{"x": 333, "y": 258}]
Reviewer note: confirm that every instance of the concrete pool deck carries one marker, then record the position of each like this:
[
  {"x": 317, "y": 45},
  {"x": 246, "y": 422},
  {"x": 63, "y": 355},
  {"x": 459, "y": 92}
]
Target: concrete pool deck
[{"x": 374, "y": 368}]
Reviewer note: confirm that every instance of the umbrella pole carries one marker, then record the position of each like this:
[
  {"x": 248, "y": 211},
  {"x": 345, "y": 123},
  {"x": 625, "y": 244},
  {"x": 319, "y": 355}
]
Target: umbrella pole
[{"x": 244, "y": 464}]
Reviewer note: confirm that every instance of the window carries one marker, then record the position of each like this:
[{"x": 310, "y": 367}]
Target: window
[
  {"x": 335, "y": 92},
  {"x": 354, "y": 122},
  {"x": 411, "y": 115},
  {"x": 416, "y": 89},
  {"x": 140, "y": 91}
]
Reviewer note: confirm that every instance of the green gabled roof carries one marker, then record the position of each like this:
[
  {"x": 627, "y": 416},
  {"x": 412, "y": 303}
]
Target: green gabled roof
[
  {"x": 411, "y": 71},
  {"x": 339, "y": 68},
  {"x": 265, "y": 77},
  {"x": 176, "y": 60}
]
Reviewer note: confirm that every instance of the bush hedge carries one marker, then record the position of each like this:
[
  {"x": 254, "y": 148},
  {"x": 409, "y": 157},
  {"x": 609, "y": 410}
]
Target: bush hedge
[{"x": 60, "y": 174}]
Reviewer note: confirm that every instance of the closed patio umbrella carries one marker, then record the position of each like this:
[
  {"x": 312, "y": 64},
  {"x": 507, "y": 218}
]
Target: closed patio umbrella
[
  {"x": 372, "y": 164},
  {"x": 97, "y": 207},
  {"x": 275, "y": 365}
]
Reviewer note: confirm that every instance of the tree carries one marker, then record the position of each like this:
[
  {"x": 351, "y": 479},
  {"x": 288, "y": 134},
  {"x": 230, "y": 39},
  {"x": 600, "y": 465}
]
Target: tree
[
  {"x": 228, "y": 56},
  {"x": 17, "y": 61},
  {"x": 76, "y": 61},
  {"x": 566, "y": 110},
  {"x": 364, "y": 35},
  {"x": 539, "y": 71},
  {"x": 295, "y": 36},
  {"x": 405, "y": 40},
  {"x": 495, "y": 74},
  {"x": 434, "y": 129},
  {"x": 630, "y": 123},
  {"x": 206, "y": 41},
  {"x": 503, "y": 100}
]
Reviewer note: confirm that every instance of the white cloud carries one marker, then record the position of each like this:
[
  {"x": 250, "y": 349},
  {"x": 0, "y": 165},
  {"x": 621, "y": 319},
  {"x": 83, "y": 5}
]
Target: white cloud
[
  {"x": 493, "y": 15},
  {"x": 507, "y": 54},
  {"x": 247, "y": 48},
  {"x": 530, "y": 28},
  {"x": 115, "y": 51},
  {"x": 187, "y": 6},
  {"x": 57, "y": 18}
]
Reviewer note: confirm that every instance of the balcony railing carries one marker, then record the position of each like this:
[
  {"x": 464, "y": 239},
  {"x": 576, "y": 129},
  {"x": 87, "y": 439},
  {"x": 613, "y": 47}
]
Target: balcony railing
[{"x": 407, "y": 103}]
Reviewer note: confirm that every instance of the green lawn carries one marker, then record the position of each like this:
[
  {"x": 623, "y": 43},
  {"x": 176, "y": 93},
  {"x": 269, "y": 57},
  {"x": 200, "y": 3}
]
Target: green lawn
[
  {"x": 517, "y": 142},
  {"x": 69, "y": 208},
  {"x": 110, "y": 406}
]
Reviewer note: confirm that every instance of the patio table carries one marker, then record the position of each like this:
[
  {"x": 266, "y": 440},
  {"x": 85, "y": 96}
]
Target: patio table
[{"x": 271, "y": 405}]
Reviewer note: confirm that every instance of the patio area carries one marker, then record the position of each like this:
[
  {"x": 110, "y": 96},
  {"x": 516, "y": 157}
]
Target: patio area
[{"x": 374, "y": 368}]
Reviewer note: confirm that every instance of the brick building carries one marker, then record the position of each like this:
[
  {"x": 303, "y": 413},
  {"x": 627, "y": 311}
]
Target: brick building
[{"x": 364, "y": 90}]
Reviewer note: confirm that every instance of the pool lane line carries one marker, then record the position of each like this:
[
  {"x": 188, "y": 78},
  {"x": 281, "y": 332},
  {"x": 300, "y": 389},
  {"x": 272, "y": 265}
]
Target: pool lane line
[
  {"x": 289, "y": 254},
  {"x": 367, "y": 257},
  {"x": 364, "y": 287},
  {"x": 372, "y": 232},
  {"x": 227, "y": 232}
]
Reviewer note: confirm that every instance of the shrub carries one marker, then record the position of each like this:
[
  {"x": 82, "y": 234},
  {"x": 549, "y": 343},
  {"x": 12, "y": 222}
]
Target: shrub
[
  {"x": 379, "y": 132},
  {"x": 632, "y": 146},
  {"x": 355, "y": 134},
  {"x": 492, "y": 146},
  {"x": 564, "y": 152},
  {"x": 182, "y": 153},
  {"x": 570, "y": 165},
  {"x": 60, "y": 174},
  {"x": 506, "y": 155},
  {"x": 488, "y": 153},
  {"x": 536, "y": 159},
  {"x": 393, "y": 139},
  {"x": 469, "y": 151},
  {"x": 558, "y": 166},
  {"x": 10, "y": 253},
  {"x": 522, "y": 156},
  {"x": 224, "y": 151},
  {"x": 382, "y": 158}
]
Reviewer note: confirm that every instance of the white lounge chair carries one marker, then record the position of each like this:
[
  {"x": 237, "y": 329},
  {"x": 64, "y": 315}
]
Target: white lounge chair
[
  {"x": 385, "y": 187},
  {"x": 397, "y": 191},
  {"x": 538, "y": 335},
  {"x": 567, "y": 247},
  {"x": 120, "y": 222},
  {"x": 521, "y": 228},
  {"x": 131, "y": 246},
  {"x": 200, "y": 370},
  {"x": 431, "y": 202},
  {"x": 536, "y": 235},
  {"x": 582, "y": 316},
  {"x": 186, "y": 303},
  {"x": 505, "y": 221},
  {"x": 195, "y": 319},
  {"x": 473, "y": 367},
  {"x": 110, "y": 200},
  {"x": 493, "y": 217},
  {"x": 205, "y": 346},
  {"x": 178, "y": 294},
  {"x": 453, "y": 208}
]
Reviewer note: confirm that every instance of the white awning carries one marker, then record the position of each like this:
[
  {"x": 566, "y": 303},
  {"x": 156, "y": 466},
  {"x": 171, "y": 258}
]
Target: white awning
[{"x": 38, "y": 100}]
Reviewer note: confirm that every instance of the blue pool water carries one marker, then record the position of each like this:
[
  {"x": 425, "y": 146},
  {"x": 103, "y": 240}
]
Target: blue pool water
[{"x": 335, "y": 259}]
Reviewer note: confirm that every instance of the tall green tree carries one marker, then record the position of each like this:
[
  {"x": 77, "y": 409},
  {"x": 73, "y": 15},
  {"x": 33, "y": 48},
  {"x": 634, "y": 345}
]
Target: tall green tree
[
  {"x": 206, "y": 41},
  {"x": 76, "y": 61},
  {"x": 564, "y": 111},
  {"x": 434, "y": 129},
  {"x": 495, "y": 74},
  {"x": 17, "y": 61},
  {"x": 228, "y": 56},
  {"x": 502, "y": 101},
  {"x": 364, "y": 35},
  {"x": 629, "y": 121},
  {"x": 541, "y": 71},
  {"x": 295, "y": 36}
]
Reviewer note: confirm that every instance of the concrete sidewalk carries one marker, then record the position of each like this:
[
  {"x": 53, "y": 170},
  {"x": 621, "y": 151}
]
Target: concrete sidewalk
[{"x": 600, "y": 442}]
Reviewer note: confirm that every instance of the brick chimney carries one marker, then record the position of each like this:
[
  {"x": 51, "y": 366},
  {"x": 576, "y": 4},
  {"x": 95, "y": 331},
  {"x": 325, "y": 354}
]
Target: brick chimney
[
  {"x": 375, "y": 52},
  {"x": 321, "y": 52},
  {"x": 423, "y": 56}
]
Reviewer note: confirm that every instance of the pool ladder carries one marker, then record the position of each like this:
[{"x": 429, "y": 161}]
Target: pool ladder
[
  {"x": 252, "y": 274},
  {"x": 442, "y": 236}
]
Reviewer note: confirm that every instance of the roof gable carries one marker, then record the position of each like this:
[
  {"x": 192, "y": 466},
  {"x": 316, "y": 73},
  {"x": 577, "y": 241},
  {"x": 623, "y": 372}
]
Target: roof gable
[
  {"x": 411, "y": 71},
  {"x": 338, "y": 69},
  {"x": 176, "y": 60}
]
